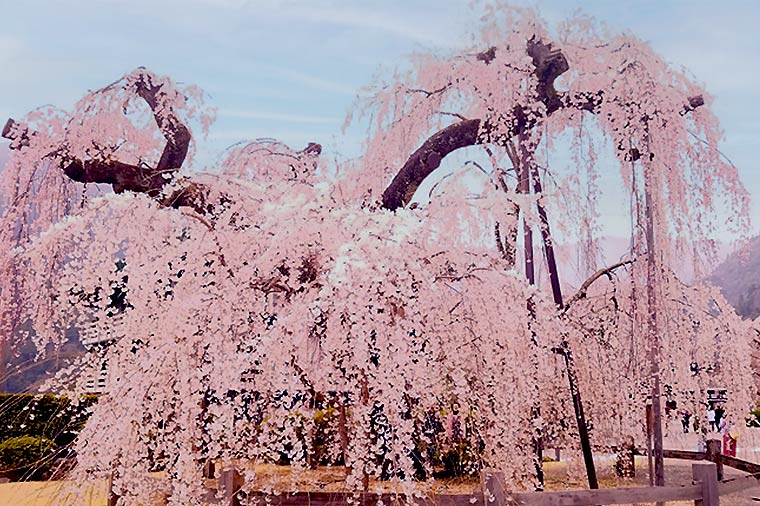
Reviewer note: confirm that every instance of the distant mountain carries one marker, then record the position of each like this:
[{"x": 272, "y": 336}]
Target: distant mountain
[
  {"x": 611, "y": 250},
  {"x": 25, "y": 371},
  {"x": 739, "y": 280}
]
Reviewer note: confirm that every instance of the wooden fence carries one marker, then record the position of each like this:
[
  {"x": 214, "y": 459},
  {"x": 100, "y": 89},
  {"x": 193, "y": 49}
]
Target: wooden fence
[{"x": 705, "y": 490}]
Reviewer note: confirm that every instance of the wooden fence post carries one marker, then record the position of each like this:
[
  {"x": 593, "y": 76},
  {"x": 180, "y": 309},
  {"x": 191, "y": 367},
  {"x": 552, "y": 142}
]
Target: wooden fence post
[
  {"x": 625, "y": 462},
  {"x": 713, "y": 455},
  {"x": 650, "y": 461},
  {"x": 230, "y": 482},
  {"x": 492, "y": 483},
  {"x": 707, "y": 474},
  {"x": 209, "y": 469}
]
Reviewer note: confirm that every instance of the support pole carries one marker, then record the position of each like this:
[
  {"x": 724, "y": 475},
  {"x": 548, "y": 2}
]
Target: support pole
[
  {"x": 653, "y": 332},
  {"x": 113, "y": 497},
  {"x": 580, "y": 418},
  {"x": 650, "y": 459},
  {"x": 230, "y": 482},
  {"x": 522, "y": 167}
]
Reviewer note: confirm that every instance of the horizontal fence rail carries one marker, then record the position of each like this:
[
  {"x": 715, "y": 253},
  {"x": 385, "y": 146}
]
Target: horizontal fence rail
[
  {"x": 741, "y": 465},
  {"x": 705, "y": 489},
  {"x": 675, "y": 454},
  {"x": 609, "y": 496},
  {"x": 342, "y": 498}
]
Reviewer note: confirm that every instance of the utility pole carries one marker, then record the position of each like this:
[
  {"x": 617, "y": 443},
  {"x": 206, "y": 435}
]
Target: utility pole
[{"x": 652, "y": 330}]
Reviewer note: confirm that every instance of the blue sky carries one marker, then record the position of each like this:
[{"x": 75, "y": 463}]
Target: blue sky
[{"x": 290, "y": 69}]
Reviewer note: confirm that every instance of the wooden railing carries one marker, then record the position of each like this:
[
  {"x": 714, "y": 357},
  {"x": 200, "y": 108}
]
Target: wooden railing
[
  {"x": 713, "y": 454},
  {"x": 704, "y": 491}
]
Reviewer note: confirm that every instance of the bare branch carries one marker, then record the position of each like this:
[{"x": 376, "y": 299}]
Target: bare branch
[
  {"x": 199, "y": 218},
  {"x": 583, "y": 290}
]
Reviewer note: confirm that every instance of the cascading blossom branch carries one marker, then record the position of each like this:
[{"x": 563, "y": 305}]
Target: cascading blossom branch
[
  {"x": 705, "y": 345},
  {"x": 360, "y": 303},
  {"x": 520, "y": 86},
  {"x": 266, "y": 312},
  {"x": 54, "y": 151}
]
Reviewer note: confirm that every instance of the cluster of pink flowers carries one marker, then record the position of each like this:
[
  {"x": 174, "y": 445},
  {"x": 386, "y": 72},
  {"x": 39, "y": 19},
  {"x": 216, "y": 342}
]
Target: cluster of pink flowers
[{"x": 295, "y": 280}]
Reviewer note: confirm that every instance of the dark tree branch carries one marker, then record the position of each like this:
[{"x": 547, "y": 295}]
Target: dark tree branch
[
  {"x": 19, "y": 138},
  {"x": 140, "y": 179},
  {"x": 123, "y": 176},
  {"x": 173, "y": 129},
  {"x": 427, "y": 158},
  {"x": 549, "y": 64},
  {"x": 583, "y": 290}
]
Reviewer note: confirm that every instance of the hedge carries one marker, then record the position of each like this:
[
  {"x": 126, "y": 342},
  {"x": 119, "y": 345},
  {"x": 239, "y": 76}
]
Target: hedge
[
  {"x": 43, "y": 415},
  {"x": 26, "y": 456}
]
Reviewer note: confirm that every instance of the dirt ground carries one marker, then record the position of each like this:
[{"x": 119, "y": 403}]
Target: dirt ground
[
  {"x": 50, "y": 493},
  {"x": 678, "y": 472},
  {"x": 559, "y": 475}
]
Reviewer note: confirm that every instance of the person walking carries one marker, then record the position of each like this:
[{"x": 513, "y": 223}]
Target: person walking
[
  {"x": 711, "y": 418},
  {"x": 685, "y": 420}
]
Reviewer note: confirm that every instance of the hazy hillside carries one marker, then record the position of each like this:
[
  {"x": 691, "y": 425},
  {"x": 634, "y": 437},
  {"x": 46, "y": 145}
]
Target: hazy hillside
[{"x": 739, "y": 280}]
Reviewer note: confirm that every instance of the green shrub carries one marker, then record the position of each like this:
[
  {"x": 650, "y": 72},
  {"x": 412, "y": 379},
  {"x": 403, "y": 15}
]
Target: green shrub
[
  {"x": 25, "y": 455},
  {"x": 326, "y": 438},
  {"x": 43, "y": 415},
  {"x": 754, "y": 418}
]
